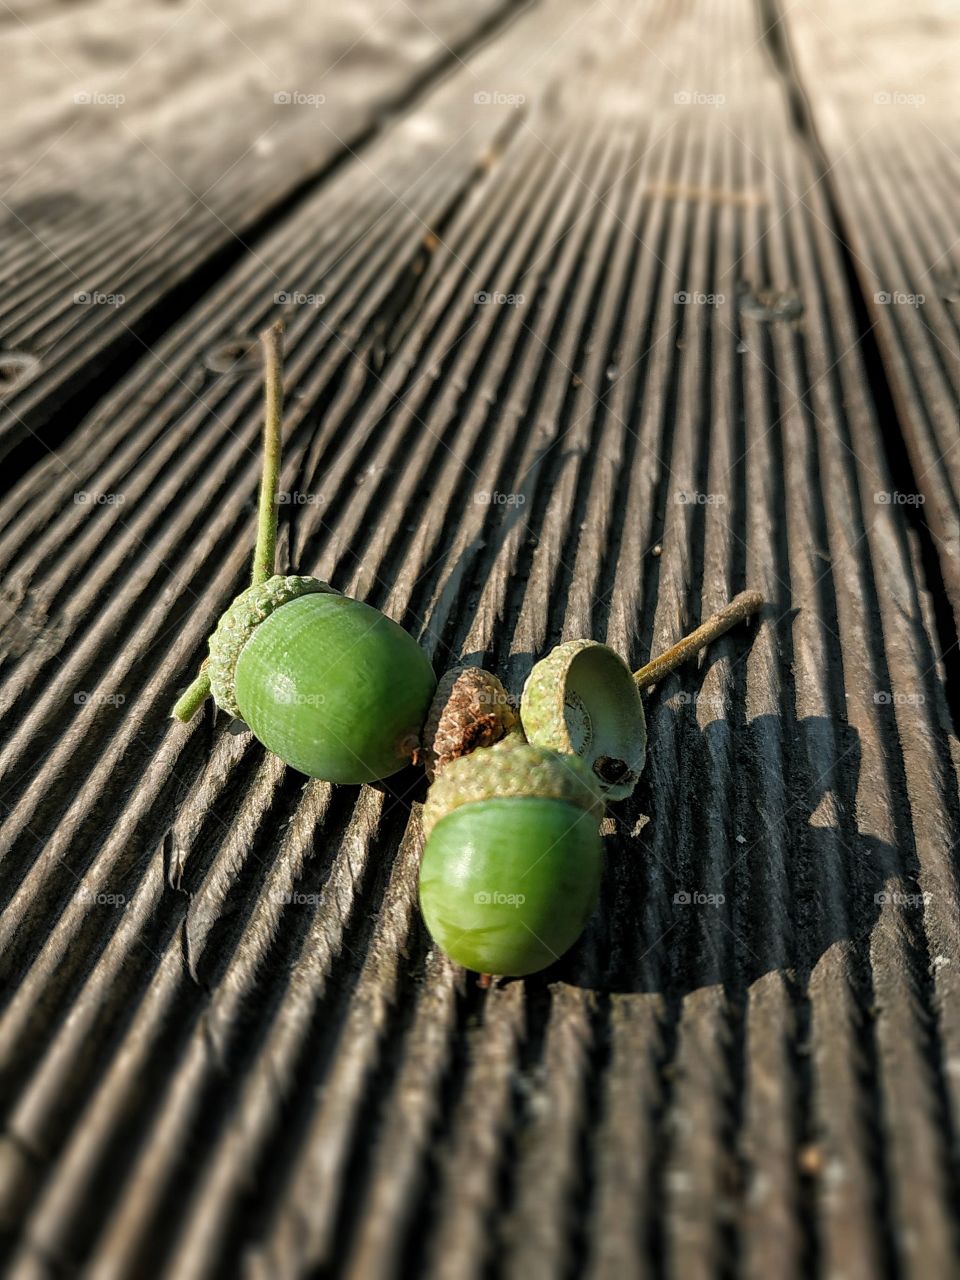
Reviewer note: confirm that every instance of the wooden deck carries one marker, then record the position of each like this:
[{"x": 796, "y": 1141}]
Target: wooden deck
[{"x": 597, "y": 312}]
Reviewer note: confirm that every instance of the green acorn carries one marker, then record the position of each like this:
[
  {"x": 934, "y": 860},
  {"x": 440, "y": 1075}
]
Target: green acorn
[
  {"x": 511, "y": 865},
  {"x": 332, "y": 686}
]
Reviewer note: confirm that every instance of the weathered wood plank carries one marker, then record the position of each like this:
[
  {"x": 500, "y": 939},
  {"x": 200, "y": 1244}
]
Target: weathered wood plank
[
  {"x": 148, "y": 153},
  {"x": 882, "y": 96},
  {"x": 259, "y": 1066}
]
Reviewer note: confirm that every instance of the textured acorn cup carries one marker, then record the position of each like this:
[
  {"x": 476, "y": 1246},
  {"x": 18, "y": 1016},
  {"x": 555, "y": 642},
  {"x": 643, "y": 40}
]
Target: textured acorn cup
[
  {"x": 330, "y": 685},
  {"x": 582, "y": 699},
  {"x": 470, "y": 709},
  {"x": 511, "y": 865}
]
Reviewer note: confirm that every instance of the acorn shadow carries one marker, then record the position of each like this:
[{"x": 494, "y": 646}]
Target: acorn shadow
[{"x": 738, "y": 855}]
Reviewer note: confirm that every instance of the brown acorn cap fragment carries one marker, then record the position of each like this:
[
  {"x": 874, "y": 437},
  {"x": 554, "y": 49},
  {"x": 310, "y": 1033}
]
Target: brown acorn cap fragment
[{"x": 470, "y": 709}]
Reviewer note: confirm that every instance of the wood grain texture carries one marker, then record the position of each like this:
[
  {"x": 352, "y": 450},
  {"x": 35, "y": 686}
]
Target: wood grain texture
[
  {"x": 594, "y": 270},
  {"x": 152, "y": 145},
  {"x": 884, "y": 104}
]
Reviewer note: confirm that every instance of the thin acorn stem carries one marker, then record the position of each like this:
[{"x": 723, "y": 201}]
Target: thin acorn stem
[
  {"x": 265, "y": 551},
  {"x": 192, "y": 699},
  {"x": 739, "y": 608}
]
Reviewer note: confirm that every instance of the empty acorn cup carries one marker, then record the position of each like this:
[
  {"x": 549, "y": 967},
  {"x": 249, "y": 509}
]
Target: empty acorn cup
[{"x": 582, "y": 699}]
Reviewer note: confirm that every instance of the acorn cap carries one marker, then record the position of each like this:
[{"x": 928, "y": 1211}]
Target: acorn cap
[
  {"x": 470, "y": 709},
  {"x": 512, "y": 769},
  {"x": 582, "y": 699},
  {"x": 249, "y": 609}
]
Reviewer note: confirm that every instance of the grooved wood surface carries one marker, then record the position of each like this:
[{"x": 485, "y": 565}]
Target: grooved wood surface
[
  {"x": 577, "y": 344},
  {"x": 883, "y": 99},
  {"x": 153, "y": 145}
]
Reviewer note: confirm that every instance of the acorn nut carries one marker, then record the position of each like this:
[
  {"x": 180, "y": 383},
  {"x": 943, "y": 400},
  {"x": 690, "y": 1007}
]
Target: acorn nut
[
  {"x": 332, "y": 686},
  {"x": 511, "y": 865}
]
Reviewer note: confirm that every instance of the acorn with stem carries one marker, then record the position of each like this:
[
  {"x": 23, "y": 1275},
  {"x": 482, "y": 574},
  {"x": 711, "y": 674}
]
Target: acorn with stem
[
  {"x": 511, "y": 864},
  {"x": 332, "y": 686}
]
